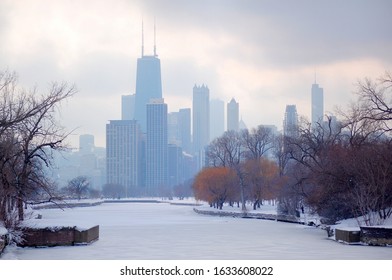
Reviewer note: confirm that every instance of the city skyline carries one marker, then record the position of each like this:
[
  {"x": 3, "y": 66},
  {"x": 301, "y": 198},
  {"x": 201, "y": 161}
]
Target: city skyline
[{"x": 261, "y": 53}]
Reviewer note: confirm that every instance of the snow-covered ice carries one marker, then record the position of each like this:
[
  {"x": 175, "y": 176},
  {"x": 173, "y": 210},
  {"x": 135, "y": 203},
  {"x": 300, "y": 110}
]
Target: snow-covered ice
[{"x": 160, "y": 231}]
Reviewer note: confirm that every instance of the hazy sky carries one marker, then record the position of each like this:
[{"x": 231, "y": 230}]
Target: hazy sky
[{"x": 263, "y": 53}]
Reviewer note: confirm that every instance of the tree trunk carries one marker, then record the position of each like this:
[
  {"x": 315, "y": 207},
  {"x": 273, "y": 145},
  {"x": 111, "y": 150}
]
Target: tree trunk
[
  {"x": 242, "y": 187},
  {"x": 3, "y": 208},
  {"x": 20, "y": 210},
  {"x": 255, "y": 204}
]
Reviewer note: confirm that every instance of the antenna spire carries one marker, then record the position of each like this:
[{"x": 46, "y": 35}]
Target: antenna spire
[
  {"x": 155, "y": 40},
  {"x": 142, "y": 39}
]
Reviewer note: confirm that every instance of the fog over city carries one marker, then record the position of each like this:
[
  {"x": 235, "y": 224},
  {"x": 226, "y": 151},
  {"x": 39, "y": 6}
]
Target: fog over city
[
  {"x": 265, "y": 54},
  {"x": 214, "y": 130}
]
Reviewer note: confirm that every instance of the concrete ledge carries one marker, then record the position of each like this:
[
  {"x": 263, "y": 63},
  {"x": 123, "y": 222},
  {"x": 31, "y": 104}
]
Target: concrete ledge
[
  {"x": 185, "y": 204},
  {"x": 349, "y": 236},
  {"x": 271, "y": 217},
  {"x": 44, "y": 237},
  {"x": 62, "y": 205},
  {"x": 58, "y": 236},
  {"x": 378, "y": 236},
  {"x": 132, "y": 201},
  {"x": 86, "y": 236}
]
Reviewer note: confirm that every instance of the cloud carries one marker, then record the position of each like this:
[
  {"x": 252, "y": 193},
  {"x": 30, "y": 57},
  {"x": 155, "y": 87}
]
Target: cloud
[
  {"x": 260, "y": 52},
  {"x": 100, "y": 73},
  {"x": 286, "y": 33}
]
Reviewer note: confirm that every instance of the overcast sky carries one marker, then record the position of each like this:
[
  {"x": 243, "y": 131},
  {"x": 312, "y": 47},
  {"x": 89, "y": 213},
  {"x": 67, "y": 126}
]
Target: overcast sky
[{"x": 265, "y": 54}]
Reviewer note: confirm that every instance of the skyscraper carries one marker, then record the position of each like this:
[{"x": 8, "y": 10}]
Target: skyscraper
[
  {"x": 317, "y": 104},
  {"x": 290, "y": 123},
  {"x": 157, "y": 146},
  {"x": 184, "y": 127},
  {"x": 201, "y": 122},
  {"x": 233, "y": 115},
  {"x": 86, "y": 143},
  {"x": 173, "y": 132},
  {"x": 128, "y": 107},
  {"x": 122, "y": 153},
  {"x": 148, "y": 83},
  {"x": 242, "y": 125},
  {"x": 175, "y": 164},
  {"x": 217, "y": 118}
]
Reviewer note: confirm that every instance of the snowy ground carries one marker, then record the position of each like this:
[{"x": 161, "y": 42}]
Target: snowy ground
[{"x": 175, "y": 232}]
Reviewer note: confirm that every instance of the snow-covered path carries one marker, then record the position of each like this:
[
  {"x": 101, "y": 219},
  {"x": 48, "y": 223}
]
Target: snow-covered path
[{"x": 168, "y": 232}]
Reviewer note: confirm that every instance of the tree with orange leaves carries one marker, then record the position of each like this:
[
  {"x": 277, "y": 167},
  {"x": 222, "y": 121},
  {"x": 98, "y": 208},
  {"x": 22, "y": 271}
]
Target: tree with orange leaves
[{"x": 216, "y": 185}]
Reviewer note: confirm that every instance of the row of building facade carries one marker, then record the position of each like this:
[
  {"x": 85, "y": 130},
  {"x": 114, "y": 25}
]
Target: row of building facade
[
  {"x": 163, "y": 156},
  {"x": 150, "y": 149}
]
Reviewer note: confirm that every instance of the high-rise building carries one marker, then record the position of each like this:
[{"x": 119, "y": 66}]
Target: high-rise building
[
  {"x": 148, "y": 83},
  {"x": 156, "y": 146},
  {"x": 173, "y": 132},
  {"x": 87, "y": 165},
  {"x": 86, "y": 143},
  {"x": 201, "y": 122},
  {"x": 175, "y": 164},
  {"x": 179, "y": 129},
  {"x": 217, "y": 118},
  {"x": 317, "y": 104},
  {"x": 128, "y": 107},
  {"x": 290, "y": 123},
  {"x": 184, "y": 127},
  {"x": 242, "y": 125},
  {"x": 233, "y": 115},
  {"x": 122, "y": 153}
]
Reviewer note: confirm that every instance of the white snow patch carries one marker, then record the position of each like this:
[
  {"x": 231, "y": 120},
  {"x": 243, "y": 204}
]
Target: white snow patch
[{"x": 3, "y": 231}]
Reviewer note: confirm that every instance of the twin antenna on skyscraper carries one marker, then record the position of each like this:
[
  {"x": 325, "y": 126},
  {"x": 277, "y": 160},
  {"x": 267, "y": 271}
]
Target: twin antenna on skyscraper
[{"x": 155, "y": 45}]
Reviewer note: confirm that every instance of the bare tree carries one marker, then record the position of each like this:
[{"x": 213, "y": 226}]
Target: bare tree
[
  {"x": 183, "y": 190},
  {"x": 78, "y": 187},
  {"x": 345, "y": 171},
  {"x": 371, "y": 185},
  {"x": 28, "y": 124},
  {"x": 115, "y": 191},
  {"x": 313, "y": 173},
  {"x": 263, "y": 180},
  {"x": 375, "y": 100},
  {"x": 228, "y": 151},
  {"x": 280, "y": 153},
  {"x": 257, "y": 141}
]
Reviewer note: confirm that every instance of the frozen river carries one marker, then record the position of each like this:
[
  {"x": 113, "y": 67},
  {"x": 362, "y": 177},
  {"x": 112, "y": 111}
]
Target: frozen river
[{"x": 160, "y": 231}]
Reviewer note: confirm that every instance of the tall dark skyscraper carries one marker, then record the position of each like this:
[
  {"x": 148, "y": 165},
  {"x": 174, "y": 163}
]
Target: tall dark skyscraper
[
  {"x": 290, "y": 123},
  {"x": 148, "y": 83}
]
